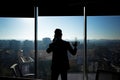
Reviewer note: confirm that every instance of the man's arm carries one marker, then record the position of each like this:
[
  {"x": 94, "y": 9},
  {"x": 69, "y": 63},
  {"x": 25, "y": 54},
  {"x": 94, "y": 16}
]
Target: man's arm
[
  {"x": 49, "y": 49},
  {"x": 73, "y": 50}
]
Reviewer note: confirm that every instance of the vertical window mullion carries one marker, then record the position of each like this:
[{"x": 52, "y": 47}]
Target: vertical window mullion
[
  {"x": 85, "y": 75},
  {"x": 36, "y": 26}
]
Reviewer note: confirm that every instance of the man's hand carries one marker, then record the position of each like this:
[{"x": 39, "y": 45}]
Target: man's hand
[{"x": 75, "y": 44}]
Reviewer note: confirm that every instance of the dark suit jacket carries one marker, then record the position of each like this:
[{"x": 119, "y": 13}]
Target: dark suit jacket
[{"x": 60, "y": 56}]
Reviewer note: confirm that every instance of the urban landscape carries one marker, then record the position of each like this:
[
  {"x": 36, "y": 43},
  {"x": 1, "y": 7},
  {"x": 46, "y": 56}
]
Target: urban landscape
[{"x": 101, "y": 55}]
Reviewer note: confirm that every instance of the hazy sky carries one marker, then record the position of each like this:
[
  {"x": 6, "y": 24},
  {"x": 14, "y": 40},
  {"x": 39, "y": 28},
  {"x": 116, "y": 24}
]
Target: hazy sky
[
  {"x": 103, "y": 27},
  {"x": 98, "y": 27},
  {"x": 72, "y": 26}
]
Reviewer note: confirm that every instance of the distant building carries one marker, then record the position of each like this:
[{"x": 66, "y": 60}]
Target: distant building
[
  {"x": 4, "y": 44},
  {"x": 27, "y": 47},
  {"x": 20, "y": 53},
  {"x": 14, "y": 45},
  {"x": 46, "y": 40}
]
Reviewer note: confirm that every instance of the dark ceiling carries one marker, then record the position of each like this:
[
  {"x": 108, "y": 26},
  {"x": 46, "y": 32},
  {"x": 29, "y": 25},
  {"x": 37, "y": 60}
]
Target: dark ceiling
[{"x": 25, "y": 8}]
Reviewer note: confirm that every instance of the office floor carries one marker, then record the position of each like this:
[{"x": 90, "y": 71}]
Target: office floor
[{"x": 79, "y": 76}]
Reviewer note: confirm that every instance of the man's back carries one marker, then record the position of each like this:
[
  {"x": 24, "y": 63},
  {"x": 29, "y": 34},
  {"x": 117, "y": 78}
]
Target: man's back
[
  {"x": 59, "y": 48},
  {"x": 60, "y": 58}
]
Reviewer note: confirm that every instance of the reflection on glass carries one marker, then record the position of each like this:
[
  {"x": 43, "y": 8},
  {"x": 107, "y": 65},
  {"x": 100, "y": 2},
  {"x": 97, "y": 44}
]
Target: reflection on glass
[
  {"x": 16, "y": 47},
  {"x": 72, "y": 29}
]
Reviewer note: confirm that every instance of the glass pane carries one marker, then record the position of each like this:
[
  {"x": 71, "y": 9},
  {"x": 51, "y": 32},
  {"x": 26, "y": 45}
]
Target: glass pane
[
  {"x": 72, "y": 30},
  {"x": 103, "y": 43},
  {"x": 16, "y": 46}
]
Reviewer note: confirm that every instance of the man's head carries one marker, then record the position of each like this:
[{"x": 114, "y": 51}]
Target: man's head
[{"x": 58, "y": 33}]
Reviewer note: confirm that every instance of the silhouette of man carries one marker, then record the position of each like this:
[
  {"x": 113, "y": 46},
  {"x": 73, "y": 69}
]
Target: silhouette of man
[{"x": 60, "y": 63}]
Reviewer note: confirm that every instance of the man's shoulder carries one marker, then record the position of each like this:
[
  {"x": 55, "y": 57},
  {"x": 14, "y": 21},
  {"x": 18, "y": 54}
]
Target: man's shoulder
[{"x": 66, "y": 42}]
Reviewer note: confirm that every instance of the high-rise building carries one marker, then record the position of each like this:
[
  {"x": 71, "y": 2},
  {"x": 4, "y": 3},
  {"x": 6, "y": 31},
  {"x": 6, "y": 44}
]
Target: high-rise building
[{"x": 46, "y": 40}]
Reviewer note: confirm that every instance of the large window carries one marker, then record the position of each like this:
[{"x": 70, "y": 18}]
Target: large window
[
  {"x": 16, "y": 46},
  {"x": 103, "y": 43},
  {"x": 72, "y": 29}
]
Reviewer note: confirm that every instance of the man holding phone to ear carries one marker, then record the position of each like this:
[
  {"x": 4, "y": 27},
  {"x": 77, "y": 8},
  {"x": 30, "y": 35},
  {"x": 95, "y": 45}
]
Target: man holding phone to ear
[{"x": 60, "y": 62}]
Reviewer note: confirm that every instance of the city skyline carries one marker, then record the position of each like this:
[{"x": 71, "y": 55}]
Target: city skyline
[{"x": 98, "y": 27}]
